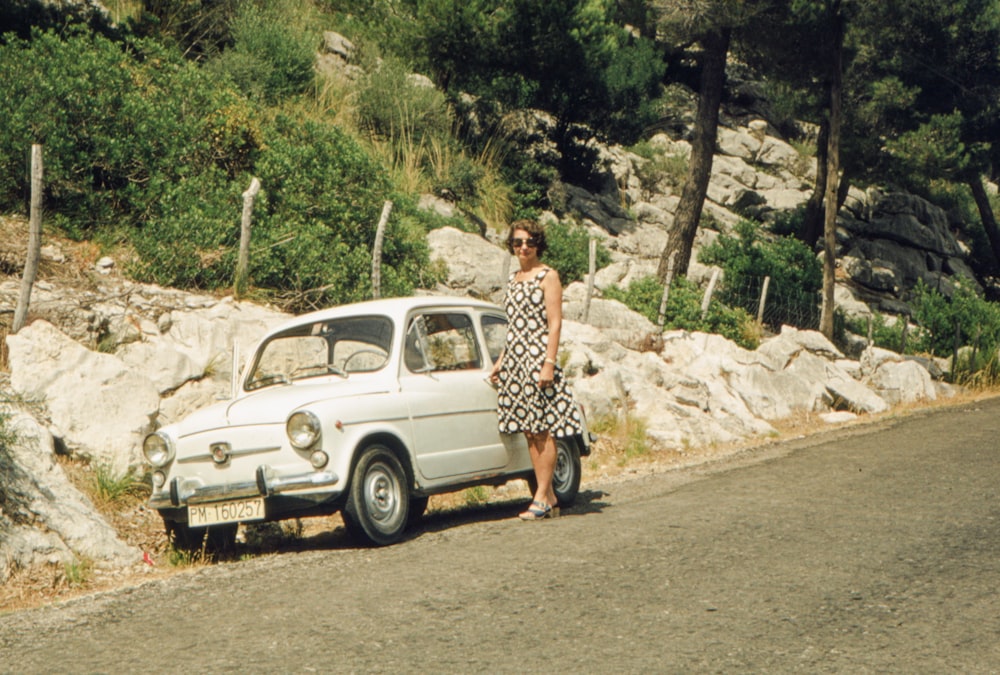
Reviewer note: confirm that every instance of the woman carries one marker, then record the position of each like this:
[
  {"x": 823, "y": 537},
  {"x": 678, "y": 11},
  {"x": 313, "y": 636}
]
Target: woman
[{"x": 533, "y": 397}]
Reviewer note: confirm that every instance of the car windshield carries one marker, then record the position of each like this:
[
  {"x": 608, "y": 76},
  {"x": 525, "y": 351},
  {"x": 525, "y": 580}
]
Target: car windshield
[{"x": 337, "y": 347}]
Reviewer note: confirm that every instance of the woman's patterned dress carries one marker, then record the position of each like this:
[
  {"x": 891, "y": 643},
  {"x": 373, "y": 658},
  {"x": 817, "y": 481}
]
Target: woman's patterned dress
[{"x": 521, "y": 404}]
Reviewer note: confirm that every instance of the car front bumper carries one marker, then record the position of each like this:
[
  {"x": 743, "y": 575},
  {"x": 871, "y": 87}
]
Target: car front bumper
[{"x": 184, "y": 491}]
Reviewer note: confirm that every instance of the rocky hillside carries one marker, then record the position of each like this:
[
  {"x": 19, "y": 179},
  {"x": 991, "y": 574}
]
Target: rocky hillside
[{"x": 104, "y": 361}]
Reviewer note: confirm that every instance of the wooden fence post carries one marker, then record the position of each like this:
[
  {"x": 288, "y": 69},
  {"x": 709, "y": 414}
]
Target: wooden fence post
[
  {"x": 243, "y": 263},
  {"x": 34, "y": 240},
  {"x": 377, "y": 250},
  {"x": 591, "y": 271},
  {"x": 661, "y": 318},
  {"x": 708, "y": 293},
  {"x": 763, "y": 300}
]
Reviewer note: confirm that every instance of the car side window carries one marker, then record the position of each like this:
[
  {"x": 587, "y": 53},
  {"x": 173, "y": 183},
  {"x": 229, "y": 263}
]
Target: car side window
[
  {"x": 495, "y": 331},
  {"x": 437, "y": 341}
]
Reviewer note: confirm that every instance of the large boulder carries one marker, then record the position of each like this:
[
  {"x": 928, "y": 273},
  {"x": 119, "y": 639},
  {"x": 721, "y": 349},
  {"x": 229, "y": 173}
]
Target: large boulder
[
  {"x": 475, "y": 266},
  {"x": 43, "y": 518},
  {"x": 97, "y": 404}
]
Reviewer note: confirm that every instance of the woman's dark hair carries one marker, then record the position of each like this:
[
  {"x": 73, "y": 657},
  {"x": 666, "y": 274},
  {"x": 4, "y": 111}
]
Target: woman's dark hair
[{"x": 535, "y": 230}]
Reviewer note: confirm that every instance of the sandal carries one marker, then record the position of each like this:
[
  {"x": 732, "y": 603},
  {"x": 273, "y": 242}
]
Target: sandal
[{"x": 539, "y": 511}]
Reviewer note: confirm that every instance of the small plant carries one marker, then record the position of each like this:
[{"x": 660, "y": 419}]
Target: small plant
[
  {"x": 181, "y": 558},
  {"x": 659, "y": 166},
  {"x": 625, "y": 437},
  {"x": 111, "y": 486},
  {"x": 77, "y": 572},
  {"x": 476, "y": 496}
]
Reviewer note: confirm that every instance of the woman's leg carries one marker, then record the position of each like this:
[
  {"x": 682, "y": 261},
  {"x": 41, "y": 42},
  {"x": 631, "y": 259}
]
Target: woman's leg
[{"x": 542, "y": 447}]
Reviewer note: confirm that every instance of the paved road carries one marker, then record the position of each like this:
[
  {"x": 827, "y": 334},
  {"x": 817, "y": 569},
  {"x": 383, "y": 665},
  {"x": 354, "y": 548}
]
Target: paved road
[{"x": 875, "y": 549}]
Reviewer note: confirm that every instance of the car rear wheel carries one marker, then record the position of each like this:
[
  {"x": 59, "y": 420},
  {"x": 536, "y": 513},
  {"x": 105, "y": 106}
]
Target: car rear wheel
[
  {"x": 567, "y": 474},
  {"x": 213, "y": 540},
  {"x": 378, "y": 499}
]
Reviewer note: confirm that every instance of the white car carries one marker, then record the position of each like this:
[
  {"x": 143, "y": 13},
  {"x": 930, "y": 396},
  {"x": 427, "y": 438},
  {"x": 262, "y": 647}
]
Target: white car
[{"x": 366, "y": 409}]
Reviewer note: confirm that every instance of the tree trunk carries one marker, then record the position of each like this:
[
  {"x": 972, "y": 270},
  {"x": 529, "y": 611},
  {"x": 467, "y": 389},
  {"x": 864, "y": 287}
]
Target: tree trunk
[
  {"x": 831, "y": 199},
  {"x": 812, "y": 221},
  {"x": 713, "y": 73},
  {"x": 986, "y": 215}
]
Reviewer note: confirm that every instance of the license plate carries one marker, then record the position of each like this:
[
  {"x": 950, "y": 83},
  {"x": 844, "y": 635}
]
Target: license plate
[{"x": 236, "y": 511}]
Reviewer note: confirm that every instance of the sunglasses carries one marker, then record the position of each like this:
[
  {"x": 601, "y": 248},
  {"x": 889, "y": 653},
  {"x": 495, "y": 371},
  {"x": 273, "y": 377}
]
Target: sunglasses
[{"x": 517, "y": 242}]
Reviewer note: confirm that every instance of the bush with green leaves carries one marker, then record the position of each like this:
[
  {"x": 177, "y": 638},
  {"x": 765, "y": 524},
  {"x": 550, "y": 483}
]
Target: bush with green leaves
[
  {"x": 392, "y": 105},
  {"x": 165, "y": 173},
  {"x": 887, "y": 334},
  {"x": 569, "y": 251},
  {"x": 683, "y": 310},
  {"x": 964, "y": 319},
  {"x": 273, "y": 50},
  {"x": 171, "y": 122},
  {"x": 747, "y": 259}
]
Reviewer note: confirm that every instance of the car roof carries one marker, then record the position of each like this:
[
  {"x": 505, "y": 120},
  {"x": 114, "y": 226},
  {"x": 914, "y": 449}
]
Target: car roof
[{"x": 396, "y": 308}]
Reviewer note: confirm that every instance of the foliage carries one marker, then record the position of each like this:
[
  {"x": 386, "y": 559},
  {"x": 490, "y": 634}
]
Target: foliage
[
  {"x": 197, "y": 28},
  {"x": 171, "y": 122},
  {"x": 110, "y": 486},
  {"x": 273, "y": 50},
  {"x": 569, "y": 252},
  {"x": 964, "y": 324},
  {"x": 476, "y": 496},
  {"x": 391, "y": 104},
  {"x": 796, "y": 275},
  {"x": 166, "y": 172},
  {"x": 683, "y": 309},
  {"x": 567, "y": 57},
  {"x": 625, "y": 436},
  {"x": 77, "y": 572},
  {"x": 885, "y": 333},
  {"x": 659, "y": 166},
  {"x": 964, "y": 319}
]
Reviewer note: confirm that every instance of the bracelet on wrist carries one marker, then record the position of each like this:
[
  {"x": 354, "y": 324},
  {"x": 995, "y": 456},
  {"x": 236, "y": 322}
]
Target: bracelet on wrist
[{"x": 548, "y": 360}]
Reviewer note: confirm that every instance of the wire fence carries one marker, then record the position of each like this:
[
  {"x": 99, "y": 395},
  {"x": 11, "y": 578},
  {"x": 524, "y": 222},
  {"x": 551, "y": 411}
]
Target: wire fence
[{"x": 773, "y": 307}]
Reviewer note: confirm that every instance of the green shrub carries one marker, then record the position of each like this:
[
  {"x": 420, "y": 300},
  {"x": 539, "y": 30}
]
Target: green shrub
[
  {"x": 273, "y": 50},
  {"x": 170, "y": 123},
  {"x": 965, "y": 319},
  {"x": 795, "y": 272},
  {"x": 110, "y": 487},
  {"x": 392, "y": 106},
  {"x": 883, "y": 334},
  {"x": 683, "y": 310},
  {"x": 569, "y": 251},
  {"x": 660, "y": 167}
]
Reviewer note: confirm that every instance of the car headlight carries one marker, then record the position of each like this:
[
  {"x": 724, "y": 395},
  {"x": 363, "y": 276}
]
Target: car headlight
[
  {"x": 303, "y": 430},
  {"x": 158, "y": 449}
]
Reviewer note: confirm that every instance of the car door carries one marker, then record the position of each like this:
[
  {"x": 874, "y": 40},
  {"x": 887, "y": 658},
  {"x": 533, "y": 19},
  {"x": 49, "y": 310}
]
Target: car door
[{"x": 452, "y": 406}]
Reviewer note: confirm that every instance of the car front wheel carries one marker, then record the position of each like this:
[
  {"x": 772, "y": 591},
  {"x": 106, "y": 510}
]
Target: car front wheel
[{"x": 378, "y": 500}]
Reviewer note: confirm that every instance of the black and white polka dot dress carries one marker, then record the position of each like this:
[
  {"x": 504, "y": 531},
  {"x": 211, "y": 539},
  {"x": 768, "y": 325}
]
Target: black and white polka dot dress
[{"x": 522, "y": 405}]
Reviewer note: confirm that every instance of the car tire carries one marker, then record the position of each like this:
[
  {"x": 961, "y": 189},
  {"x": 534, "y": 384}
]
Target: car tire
[
  {"x": 378, "y": 501},
  {"x": 567, "y": 474},
  {"x": 213, "y": 540}
]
